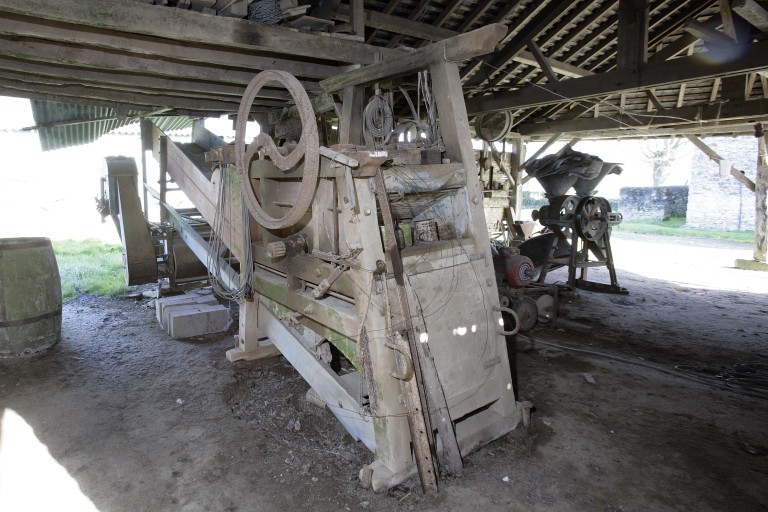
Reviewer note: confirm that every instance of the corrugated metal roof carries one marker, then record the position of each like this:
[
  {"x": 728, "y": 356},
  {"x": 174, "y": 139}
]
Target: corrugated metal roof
[{"x": 62, "y": 125}]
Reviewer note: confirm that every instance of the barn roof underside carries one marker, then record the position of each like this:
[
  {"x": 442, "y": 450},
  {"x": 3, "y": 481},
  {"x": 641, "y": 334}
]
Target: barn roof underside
[{"x": 578, "y": 68}]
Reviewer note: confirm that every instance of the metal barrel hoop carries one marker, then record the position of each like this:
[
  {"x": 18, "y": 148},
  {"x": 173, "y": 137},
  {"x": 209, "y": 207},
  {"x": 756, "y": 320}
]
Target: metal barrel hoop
[{"x": 308, "y": 148}]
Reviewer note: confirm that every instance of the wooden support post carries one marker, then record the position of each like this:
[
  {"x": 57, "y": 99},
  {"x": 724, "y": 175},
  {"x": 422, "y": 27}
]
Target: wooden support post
[
  {"x": 351, "y": 122},
  {"x": 515, "y": 158},
  {"x": 146, "y": 145},
  {"x": 761, "y": 206},
  {"x": 163, "y": 177},
  {"x": 414, "y": 389},
  {"x": 358, "y": 17}
]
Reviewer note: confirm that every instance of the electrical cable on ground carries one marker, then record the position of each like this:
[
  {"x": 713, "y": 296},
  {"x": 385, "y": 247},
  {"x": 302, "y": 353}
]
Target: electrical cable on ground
[{"x": 754, "y": 393}]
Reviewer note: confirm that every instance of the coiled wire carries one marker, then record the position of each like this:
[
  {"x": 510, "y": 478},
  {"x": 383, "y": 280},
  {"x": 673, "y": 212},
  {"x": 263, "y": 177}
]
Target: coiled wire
[
  {"x": 267, "y": 12},
  {"x": 379, "y": 119},
  {"x": 242, "y": 288}
]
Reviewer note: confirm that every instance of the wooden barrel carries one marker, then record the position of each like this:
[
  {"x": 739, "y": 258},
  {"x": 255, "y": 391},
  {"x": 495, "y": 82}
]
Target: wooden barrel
[{"x": 30, "y": 296}]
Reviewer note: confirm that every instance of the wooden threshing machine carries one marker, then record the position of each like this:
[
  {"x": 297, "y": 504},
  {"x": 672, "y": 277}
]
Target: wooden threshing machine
[{"x": 317, "y": 255}]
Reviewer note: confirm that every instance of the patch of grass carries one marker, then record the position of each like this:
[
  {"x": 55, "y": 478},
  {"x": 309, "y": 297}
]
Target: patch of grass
[
  {"x": 89, "y": 267},
  {"x": 675, "y": 226}
]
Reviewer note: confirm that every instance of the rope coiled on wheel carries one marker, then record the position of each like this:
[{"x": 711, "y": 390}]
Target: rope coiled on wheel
[{"x": 379, "y": 119}]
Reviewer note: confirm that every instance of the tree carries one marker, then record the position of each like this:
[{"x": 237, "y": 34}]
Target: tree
[{"x": 661, "y": 154}]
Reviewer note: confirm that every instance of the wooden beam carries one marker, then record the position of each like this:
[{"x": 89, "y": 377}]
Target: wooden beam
[
  {"x": 161, "y": 49},
  {"x": 42, "y": 51},
  {"x": 462, "y": 47},
  {"x": 195, "y": 27},
  {"x": 148, "y": 83},
  {"x": 558, "y": 67},
  {"x": 398, "y": 25},
  {"x": 632, "y": 34},
  {"x": 540, "y": 22},
  {"x": 542, "y": 62},
  {"x": 148, "y": 101},
  {"x": 657, "y": 74},
  {"x": 753, "y": 12},
  {"x": 725, "y": 12},
  {"x": 707, "y": 34},
  {"x": 77, "y": 100},
  {"x": 686, "y": 117},
  {"x": 711, "y": 153}
]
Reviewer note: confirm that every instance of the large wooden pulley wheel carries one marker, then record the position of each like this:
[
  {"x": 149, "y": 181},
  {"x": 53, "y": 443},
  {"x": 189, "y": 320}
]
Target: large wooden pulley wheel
[{"x": 307, "y": 148}]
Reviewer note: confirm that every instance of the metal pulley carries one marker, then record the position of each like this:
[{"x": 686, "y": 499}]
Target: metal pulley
[
  {"x": 307, "y": 148},
  {"x": 593, "y": 217},
  {"x": 527, "y": 313}
]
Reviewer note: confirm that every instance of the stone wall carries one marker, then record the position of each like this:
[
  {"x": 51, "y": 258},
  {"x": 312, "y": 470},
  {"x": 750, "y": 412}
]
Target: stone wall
[
  {"x": 653, "y": 203},
  {"x": 722, "y": 203}
]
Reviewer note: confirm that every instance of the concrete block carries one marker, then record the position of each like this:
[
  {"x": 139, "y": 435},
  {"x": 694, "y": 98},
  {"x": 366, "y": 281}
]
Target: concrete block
[
  {"x": 161, "y": 305},
  {"x": 196, "y": 320}
]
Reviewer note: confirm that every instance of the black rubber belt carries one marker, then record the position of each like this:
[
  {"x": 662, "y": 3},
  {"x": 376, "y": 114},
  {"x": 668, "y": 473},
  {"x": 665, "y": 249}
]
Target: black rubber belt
[{"x": 30, "y": 320}]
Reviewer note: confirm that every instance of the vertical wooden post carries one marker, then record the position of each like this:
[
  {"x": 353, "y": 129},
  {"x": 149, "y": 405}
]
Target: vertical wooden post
[
  {"x": 515, "y": 159},
  {"x": 761, "y": 206},
  {"x": 146, "y": 144},
  {"x": 357, "y": 17},
  {"x": 351, "y": 122},
  {"x": 163, "y": 177}
]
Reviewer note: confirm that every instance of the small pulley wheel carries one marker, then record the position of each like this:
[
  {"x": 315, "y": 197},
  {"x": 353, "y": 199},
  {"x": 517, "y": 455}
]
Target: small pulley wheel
[
  {"x": 591, "y": 218},
  {"x": 307, "y": 148},
  {"x": 527, "y": 313}
]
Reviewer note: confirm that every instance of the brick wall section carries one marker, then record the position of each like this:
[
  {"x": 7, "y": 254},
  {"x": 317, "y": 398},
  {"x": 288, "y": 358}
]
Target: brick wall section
[
  {"x": 722, "y": 203},
  {"x": 653, "y": 203}
]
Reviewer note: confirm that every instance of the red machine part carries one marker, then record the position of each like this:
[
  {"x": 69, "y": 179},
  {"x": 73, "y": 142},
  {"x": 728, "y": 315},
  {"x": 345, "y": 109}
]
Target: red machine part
[{"x": 519, "y": 270}]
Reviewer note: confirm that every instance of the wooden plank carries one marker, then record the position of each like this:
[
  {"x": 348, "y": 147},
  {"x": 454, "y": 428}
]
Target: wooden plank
[
  {"x": 123, "y": 97},
  {"x": 462, "y": 47},
  {"x": 657, "y": 74},
  {"x": 161, "y": 49},
  {"x": 753, "y": 12},
  {"x": 146, "y": 83},
  {"x": 711, "y": 153},
  {"x": 318, "y": 375},
  {"x": 41, "y": 51},
  {"x": 69, "y": 85},
  {"x": 190, "y": 26}
]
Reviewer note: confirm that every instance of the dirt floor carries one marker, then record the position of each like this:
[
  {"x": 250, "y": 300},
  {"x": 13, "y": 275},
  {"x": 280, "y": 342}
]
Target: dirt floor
[{"x": 119, "y": 417}]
